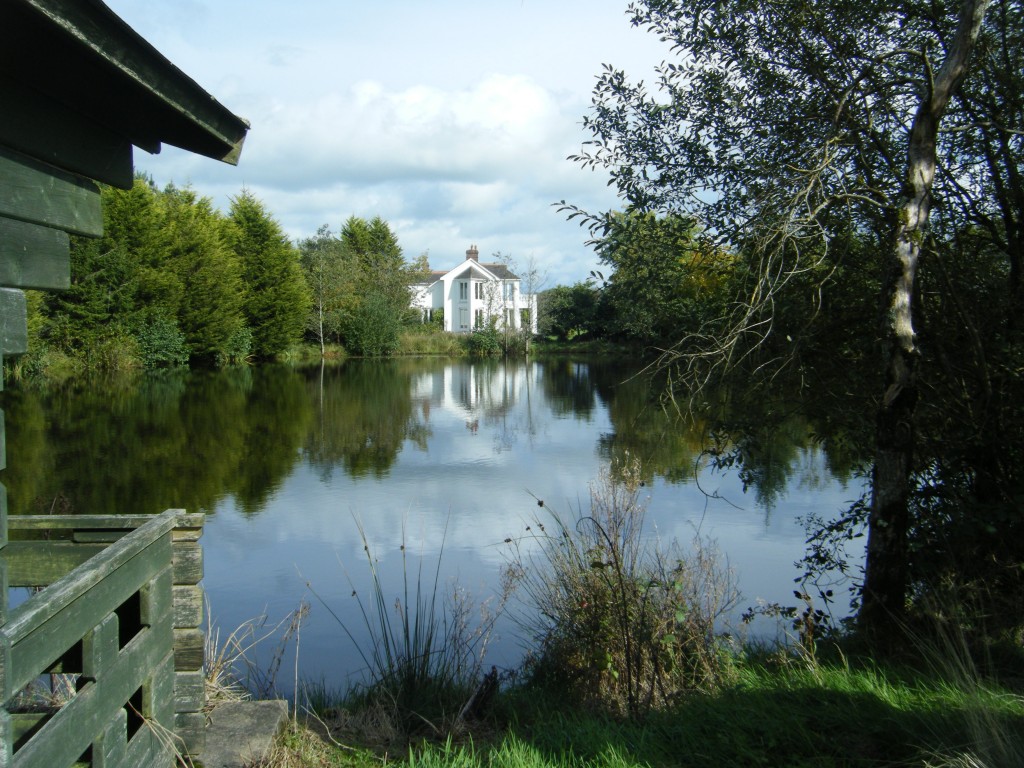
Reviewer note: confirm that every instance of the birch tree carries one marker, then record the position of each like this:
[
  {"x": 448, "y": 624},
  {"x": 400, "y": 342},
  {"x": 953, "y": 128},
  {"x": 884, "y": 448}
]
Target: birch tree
[{"x": 783, "y": 127}]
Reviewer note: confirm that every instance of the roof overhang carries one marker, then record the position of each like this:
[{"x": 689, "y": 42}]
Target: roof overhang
[{"x": 82, "y": 56}]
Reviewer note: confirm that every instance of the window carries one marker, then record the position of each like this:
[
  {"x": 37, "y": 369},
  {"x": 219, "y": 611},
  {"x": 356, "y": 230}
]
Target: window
[
  {"x": 478, "y": 290},
  {"x": 510, "y": 291},
  {"x": 463, "y": 290},
  {"x": 479, "y": 318},
  {"x": 524, "y": 319},
  {"x": 463, "y": 318},
  {"x": 510, "y": 318}
]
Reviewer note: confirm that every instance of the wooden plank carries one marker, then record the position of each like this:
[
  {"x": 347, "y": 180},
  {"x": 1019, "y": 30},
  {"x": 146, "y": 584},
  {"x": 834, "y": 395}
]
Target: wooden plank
[
  {"x": 100, "y": 648},
  {"x": 62, "y": 593},
  {"x": 187, "y": 559},
  {"x": 6, "y": 738},
  {"x": 97, "y": 537},
  {"x": 63, "y": 137},
  {"x": 32, "y": 256},
  {"x": 189, "y": 691},
  {"x": 13, "y": 320},
  {"x": 110, "y": 750},
  {"x": 40, "y": 634},
  {"x": 3, "y": 495},
  {"x": 99, "y": 522},
  {"x": 189, "y": 646},
  {"x": 188, "y": 606},
  {"x": 4, "y": 584},
  {"x": 70, "y": 731},
  {"x": 38, "y": 563},
  {"x": 37, "y": 193},
  {"x": 191, "y": 729},
  {"x": 156, "y": 597},
  {"x": 145, "y": 749},
  {"x": 3, "y": 447},
  {"x": 6, "y": 671}
]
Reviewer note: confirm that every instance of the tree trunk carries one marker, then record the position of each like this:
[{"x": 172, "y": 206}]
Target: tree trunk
[{"x": 883, "y": 609}]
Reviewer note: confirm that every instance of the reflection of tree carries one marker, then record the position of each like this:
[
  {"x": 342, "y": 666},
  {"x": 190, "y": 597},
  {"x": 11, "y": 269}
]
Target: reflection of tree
[
  {"x": 568, "y": 388},
  {"x": 766, "y": 438},
  {"x": 143, "y": 444},
  {"x": 364, "y": 414},
  {"x": 666, "y": 444},
  {"x": 278, "y": 417}
]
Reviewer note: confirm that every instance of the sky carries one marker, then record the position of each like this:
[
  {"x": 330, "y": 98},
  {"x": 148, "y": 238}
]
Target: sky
[{"x": 452, "y": 120}]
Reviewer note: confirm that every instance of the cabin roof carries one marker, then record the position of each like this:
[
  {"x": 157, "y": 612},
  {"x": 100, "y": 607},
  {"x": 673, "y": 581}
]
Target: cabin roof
[{"x": 75, "y": 62}]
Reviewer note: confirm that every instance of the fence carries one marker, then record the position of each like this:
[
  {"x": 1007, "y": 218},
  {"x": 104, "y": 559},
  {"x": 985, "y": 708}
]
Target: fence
[{"x": 119, "y": 618}]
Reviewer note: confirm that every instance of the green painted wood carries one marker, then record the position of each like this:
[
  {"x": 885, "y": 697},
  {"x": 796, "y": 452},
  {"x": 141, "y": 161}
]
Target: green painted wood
[
  {"x": 3, "y": 590},
  {"x": 188, "y": 562},
  {"x": 156, "y": 597},
  {"x": 3, "y": 496},
  {"x": 38, "y": 563},
  {"x": 188, "y": 606},
  {"x": 32, "y": 256},
  {"x": 191, "y": 729},
  {"x": 158, "y": 698},
  {"x": 62, "y": 137},
  {"x": 148, "y": 750},
  {"x": 97, "y": 522},
  {"x": 40, "y": 194},
  {"x": 13, "y": 321},
  {"x": 189, "y": 691},
  {"x": 189, "y": 647},
  {"x": 45, "y": 626},
  {"x": 6, "y": 672},
  {"x": 110, "y": 750},
  {"x": 98, "y": 537},
  {"x": 3, "y": 447},
  {"x": 70, "y": 731},
  {"x": 6, "y": 738},
  {"x": 100, "y": 647}
]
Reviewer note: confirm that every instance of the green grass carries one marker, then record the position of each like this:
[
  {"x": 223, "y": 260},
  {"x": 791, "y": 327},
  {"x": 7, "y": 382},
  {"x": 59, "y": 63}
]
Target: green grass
[{"x": 778, "y": 711}]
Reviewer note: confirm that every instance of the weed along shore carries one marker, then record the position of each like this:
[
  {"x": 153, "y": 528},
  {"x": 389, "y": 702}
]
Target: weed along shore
[{"x": 627, "y": 665}]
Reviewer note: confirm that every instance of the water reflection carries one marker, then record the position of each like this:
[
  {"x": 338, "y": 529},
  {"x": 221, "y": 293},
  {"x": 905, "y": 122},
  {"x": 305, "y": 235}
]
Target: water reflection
[{"x": 453, "y": 454}]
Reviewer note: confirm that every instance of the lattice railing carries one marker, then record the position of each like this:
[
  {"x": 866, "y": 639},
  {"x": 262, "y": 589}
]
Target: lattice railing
[{"x": 119, "y": 622}]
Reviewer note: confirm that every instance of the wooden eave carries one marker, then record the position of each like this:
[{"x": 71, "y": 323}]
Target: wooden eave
[{"x": 75, "y": 61}]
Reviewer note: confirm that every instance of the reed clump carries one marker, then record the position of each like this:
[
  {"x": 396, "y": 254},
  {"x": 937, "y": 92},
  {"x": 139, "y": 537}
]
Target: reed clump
[{"x": 619, "y": 622}]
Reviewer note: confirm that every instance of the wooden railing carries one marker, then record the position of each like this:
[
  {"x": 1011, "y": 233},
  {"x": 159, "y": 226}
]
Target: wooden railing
[{"x": 119, "y": 616}]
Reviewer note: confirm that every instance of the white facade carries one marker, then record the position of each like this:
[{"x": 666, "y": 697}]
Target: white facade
[{"x": 475, "y": 295}]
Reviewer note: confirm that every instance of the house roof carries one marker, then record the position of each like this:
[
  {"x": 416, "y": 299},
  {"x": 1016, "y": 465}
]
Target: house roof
[
  {"x": 499, "y": 271},
  {"x": 74, "y": 68}
]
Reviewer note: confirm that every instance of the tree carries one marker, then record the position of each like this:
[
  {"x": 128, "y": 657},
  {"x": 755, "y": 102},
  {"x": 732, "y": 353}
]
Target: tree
[
  {"x": 202, "y": 275},
  {"x": 781, "y": 128},
  {"x": 330, "y": 274},
  {"x": 379, "y": 290},
  {"x": 276, "y": 300}
]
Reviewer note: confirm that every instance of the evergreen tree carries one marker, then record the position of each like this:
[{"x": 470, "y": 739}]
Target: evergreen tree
[
  {"x": 209, "y": 309},
  {"x": 275, "y": 299}
]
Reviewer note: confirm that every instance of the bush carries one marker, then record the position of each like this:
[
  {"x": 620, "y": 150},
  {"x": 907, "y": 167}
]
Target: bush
[
  {"x": 484, "y": 342},
  {"x": 239, "y": 347},
  {"x": 620, "y": 626},
  {"x": 374, "y": 328},
  {"x": 161, "y": 343}
]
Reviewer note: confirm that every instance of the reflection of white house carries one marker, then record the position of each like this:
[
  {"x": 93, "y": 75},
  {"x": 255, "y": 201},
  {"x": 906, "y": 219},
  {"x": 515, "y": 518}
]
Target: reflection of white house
[{"x": 474, "y": 295}]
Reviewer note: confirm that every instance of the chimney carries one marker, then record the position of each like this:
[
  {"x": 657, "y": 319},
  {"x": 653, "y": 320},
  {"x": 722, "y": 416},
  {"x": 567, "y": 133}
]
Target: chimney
[{"x": 473, "y": 253}]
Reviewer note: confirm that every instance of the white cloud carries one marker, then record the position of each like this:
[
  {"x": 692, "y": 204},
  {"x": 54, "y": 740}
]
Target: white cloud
[{"x": 452, "y": 121}]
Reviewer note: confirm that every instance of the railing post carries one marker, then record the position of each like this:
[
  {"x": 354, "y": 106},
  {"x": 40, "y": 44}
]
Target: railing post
[{"x": 189, "y": 682}]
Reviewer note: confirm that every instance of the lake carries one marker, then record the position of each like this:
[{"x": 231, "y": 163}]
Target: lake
[{"x": 430, "y": 455}]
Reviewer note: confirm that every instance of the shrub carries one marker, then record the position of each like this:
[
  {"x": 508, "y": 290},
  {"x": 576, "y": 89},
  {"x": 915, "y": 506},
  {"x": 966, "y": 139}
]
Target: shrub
[
  {"x": 484, "y": 342},
  {"x": 161, "y": 343},
  {"x": 619, "y": 624}
]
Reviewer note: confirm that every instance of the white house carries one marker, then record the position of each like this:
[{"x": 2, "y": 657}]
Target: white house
[{"x": 475, "y": 295}]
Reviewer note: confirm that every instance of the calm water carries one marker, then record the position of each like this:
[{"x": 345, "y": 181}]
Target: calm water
[{"x": 289, "y": 463}]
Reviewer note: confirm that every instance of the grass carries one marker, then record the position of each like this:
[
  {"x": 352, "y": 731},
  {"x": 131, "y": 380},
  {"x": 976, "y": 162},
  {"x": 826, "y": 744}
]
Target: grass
[{"x": 779, "y": 710}]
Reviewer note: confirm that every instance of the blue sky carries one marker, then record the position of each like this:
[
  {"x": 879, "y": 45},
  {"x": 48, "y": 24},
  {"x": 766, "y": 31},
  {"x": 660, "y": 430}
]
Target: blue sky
[{"x": 451, "y": 119}]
